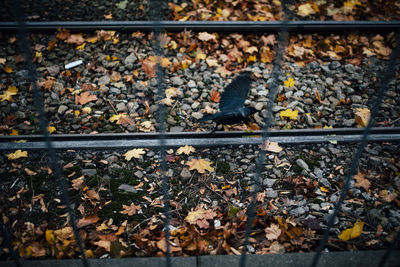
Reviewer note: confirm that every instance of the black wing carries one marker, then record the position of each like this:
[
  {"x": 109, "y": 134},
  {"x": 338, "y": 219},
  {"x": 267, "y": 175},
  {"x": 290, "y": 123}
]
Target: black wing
[{"x": 235, "y": 93}]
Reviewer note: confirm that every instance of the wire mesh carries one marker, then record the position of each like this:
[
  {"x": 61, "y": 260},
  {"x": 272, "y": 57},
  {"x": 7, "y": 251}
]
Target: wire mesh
[
  {"x": 24, "y": 46},
  {"x": 387, "y": 76},
  {"x": 157, "y": 27}
]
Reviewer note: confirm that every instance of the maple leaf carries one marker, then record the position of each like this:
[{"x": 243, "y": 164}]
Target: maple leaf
[
  {"x": 362, "y": 116},
  {"x": 78, "y": 182},
  {"x": 212, "y": 62},
  {"x": 305, "y": 10},
  {"x": 75, "y": 39},
  {"x": 205, "y": 36},
  {"x": 163, "y": 246},
  {"x": 289, "y": 82},
  {"x": 273, "y": 232},
  {"x": 106, "y": 244},
  {"x": 200, "y": 217},
  {"x": 362, "y": 181},
  {"x": 353, "y": 232},
  {"x": 7, "y": 95},
  {"x": 266, "y": 55},
  {"x": 17, "y": 154},
  {"x": 215, "y": 96},
  {"x": 134, "y": 153},
  {"x": 130, "y": 210},
  {"x": 51, "y": 129},
  {"x": 146, "y": 126},
  {"x": 185, "y": 149},
  {"x": 270, "y": 146},
  {"x": 172, "y": 92},
  {"x": 288, "y": 113},
  {"x": 84, "y": 98},
  {"x": 200, "y": 165},
  {"x": 87, "y": 220},
  {"x": 268, "y": 40},
  {"x": 149, "y": 67},
  {"x": 223, "y": 71}
]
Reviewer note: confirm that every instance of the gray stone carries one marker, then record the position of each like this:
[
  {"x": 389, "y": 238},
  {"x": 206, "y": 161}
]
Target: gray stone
[
  {"x": 89, "y": 172},
  {"x": 191, "y": 84},
  {"x": 334, "y": 150},
  {"x": 259, "y": 106},
  {"x": 334, "y": 65},
  {"x": 121, "y": 107},
  {"x": 104, "y": 80},
  {"x": 62, "y": 109},
  {"x": 127, "y": 188},
  {"x": 138, "y": 174},
  {"x": 130, "y": 59},
  {"x": 185, "y": 107},
  {"x": 349, "y": 123},
  {"x": 302, "y": 164},
  {"x": 53, "y": 70},
  {"x": 20, "y": 115},
  {"x": 176, "y": 80},
  {"x": 297, "y": 211},
  {"x": 176, "y": 129},
  {"x": 185, "y": 173},
  {"x": 197, "y": 115},
  {"x": 269, "y": 182},
  {"x": 271, "y": 193}
]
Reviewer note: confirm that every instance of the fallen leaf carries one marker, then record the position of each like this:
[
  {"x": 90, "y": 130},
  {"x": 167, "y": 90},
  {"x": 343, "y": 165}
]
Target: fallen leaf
[
  {"x": 353, "y": 232},
  {"x": 200, "y": 217},
  {"x": 130, "y": 210},
  {"x": 305, "y": 10},
  {"x": 362, "y": 116},
  {"x": 212, "y": 62},
  {"x": 200, "y": 165},
  {"x": 205, "y": 36},
  {"x": 215, "y": 96},
  {"x": 185, "y": 149},
  {"x": 270, "y": 146},
  {"x": 273, "y": 232},
  {"x": 51, "y": 129},
  {"x": 362, "y": 181},
  {"x": 288, "y": 113},
  {"x": 87, "y": 220},
  {"x": 7, "y": 95},
  {"x": 163, "y": 246},
  {"x": 84, "y": 98},
  {"x": 289, "y": 82},
  {"x": 17, "y": 154},
  {"x": 388, "y": 196},
  {"x": 134, "y": 153}
]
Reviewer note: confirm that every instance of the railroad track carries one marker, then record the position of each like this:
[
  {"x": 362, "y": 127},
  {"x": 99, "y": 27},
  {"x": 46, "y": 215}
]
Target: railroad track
[{"x": 152, "y": 140}]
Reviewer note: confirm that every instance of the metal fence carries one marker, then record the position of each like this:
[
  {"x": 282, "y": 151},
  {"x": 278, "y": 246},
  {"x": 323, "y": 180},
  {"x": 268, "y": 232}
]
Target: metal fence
[{"x": 283, "y": 28}]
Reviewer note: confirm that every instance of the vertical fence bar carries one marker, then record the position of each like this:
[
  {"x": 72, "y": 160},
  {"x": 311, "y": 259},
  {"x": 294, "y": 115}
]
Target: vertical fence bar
[
  {"x": 24, "y": 46},
  {"x": 384, "y": 84},
  {"x": 155, "y": 14},
  {"x": 8, "y": 243},
  {"x": 392, "y": 246},
  {"x": 273, "y": 90}
]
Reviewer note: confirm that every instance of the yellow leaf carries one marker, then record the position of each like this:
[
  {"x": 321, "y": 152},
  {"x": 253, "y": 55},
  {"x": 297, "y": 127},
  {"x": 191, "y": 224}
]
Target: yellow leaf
[
  {"x": 362, "y": 116},
  {"x": 201, "y": 56},
  {"x": 252, "y": 59},
  {"x": 289, "y": 82},
  {"x": 38, "y": 54},
  {"x": 134, "y": 153},
  {"x": 51, "y": 129},
  {"x": 81, "y": 47},
  {"x": 7, "y": 69},
  {"x": 77, "y": 113},
  {"x": 185, "y": 149},
  {"x": 212, "y": 62},
  {"x": 17, "y": 154},
  {"x": 288, "y": 113},
  {"x": 50, "y": 237},
  {"x": 14, "y": 132},
  {"x": 323, "y": 189},
  {"x": 305, "y": 10},
  {"x": 87, "y": 110},
  {"x": 7, "y": 95},
  {"x": 353, "y": 232},
  {"x": 116, "y": 117},
  {"x": 200, "y": 165}
]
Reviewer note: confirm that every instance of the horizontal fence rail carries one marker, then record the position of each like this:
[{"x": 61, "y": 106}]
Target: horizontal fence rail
[
  {"x": 151, "y": 140},
  {"x": 227, "y": 26}
]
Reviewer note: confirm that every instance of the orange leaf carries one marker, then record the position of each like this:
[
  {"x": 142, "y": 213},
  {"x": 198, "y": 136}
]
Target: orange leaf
[
  {"x": 215, "y": 96},
  {"x": 200, "y": 165}
]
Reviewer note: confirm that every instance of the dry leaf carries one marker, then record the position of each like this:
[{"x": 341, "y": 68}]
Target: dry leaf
[
  {"x": 273, "y": 232},
  {"x": 215, "y": 96},
  {"x": 353, "y": 232},
  {"x": 7, "y": 95},
  {"x": 185, "y": 149},
  {"x": 134, "y": 153},
  {"x": 205, "y": 36},
  {"x": 130, "y": 210},
  {"x": 305, "y": 10},
  {"x": 17, "y": 154},
  {"x": 362, "y": 116},
  {"x": 362, "y": 181},
  {"x": 288, "y": 113},
  {"x": 200, "y": 165},
  {"x": 289, "y": 82},
  {"x": 270, "y": 146},
  {"x": 87, "y": 220},
  {"x": 200, "y": 217},
  {"x": 84, "y": 98}
]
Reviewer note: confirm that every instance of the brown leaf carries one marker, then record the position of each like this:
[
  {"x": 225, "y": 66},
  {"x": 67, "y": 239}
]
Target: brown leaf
[
  {"x": 84, "y": 98},
  {"x": 87, "y": 220},
  {"x": 205, "y": 36},
  {"x": 75, "y": 39},
  {"x": 270, "y": 146},
  {"x": 93, "y": 195},
  {"x": 362, "y": 116},
  {"x": 185, "y": 149},
  {"x": 162, "y": 245},
  {"x": 200, "y": 165},
  {"x": 362, "y": 181},
  {"x": 130, "y": 210},
  {"x": 215, "y": 96},
  {"x": 273, "y": 232}
]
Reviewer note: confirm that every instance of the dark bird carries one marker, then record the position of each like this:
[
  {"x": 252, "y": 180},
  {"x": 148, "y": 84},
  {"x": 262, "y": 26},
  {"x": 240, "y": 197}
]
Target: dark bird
[{"x": 231, "y": 105}]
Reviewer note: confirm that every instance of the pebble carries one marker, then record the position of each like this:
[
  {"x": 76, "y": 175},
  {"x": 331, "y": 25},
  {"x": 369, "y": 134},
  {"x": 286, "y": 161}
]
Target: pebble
[
  {"x": 62, "y": 109},
  {"x": 139, "y": 174},
  {"x": 127, "y": 188},
  {"x": 302, "y": 164},
  {"x": 176, "y": 80},
  {"x": 89, "y": 172}
]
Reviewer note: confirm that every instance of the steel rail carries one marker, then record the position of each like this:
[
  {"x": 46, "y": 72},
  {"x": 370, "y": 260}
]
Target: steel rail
[
  {"x": 121, "y": 141},
  {"x": 219, "y": 26}
]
